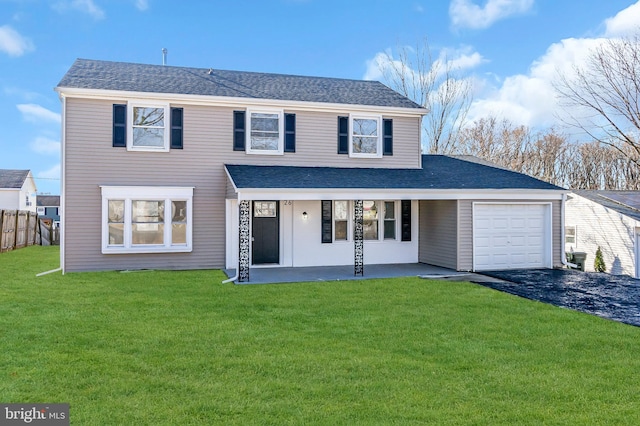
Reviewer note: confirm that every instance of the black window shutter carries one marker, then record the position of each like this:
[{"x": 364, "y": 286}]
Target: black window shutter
[
  {"x": 238, "y": 130},
  {"x": 289, "y": 133},
  {"x": 343, "y": 135},
  {"x": 119, "y": 126},
  {"x": 405, "y": 215},
  {"x": 176, "y": 128},
  {"x": 387, "y": 129},
  {"x": 327, "y": 229}
]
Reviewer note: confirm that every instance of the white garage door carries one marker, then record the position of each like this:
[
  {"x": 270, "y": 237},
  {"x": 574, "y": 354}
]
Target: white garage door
[{"x": 511, "y": 236}]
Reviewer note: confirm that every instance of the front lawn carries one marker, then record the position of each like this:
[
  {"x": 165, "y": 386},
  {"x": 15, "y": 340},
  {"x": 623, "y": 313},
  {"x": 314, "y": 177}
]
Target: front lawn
[{"x": 181, "y": 348}]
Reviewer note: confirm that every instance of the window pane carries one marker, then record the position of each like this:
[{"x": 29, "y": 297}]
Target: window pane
[
  {"x": 116, "y": 234},
  {"x": 178, "y": 211},
  {"x": 389, "y": 210},
  {"x": 365, "y": 127},
  {"x": 116, "y": 211},
  {"x": 340, "y": 212},
  {"x": 365, "y": 145},
  {"x": 370, "y": 220},
  {"x": 370, "y": 228},
  {"x": 389, "y": 229},
  {"x": 264, "y": 122},
  {"x": 264, "y": 209},
  {"x": 143, "y": 116},
  {"x": 147, "y": 233},
  {"x": 341, "y": 230},
  {"x": 147, "y": 211},
  {"x": 179, "y": 233},
  {"x": 144, "y": 136},
  {"x": 264, "y": 141}
]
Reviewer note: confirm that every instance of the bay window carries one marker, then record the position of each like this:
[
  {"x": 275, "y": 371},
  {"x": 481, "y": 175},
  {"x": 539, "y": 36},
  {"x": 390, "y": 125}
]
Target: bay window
[{"x": 146, "y": 219}]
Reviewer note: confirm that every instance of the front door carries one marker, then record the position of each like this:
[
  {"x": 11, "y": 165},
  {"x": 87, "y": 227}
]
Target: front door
[{"x": 266, "y": 233}]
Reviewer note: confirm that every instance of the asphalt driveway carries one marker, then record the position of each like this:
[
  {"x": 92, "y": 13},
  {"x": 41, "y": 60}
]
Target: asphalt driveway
[{"x": 615, "y": 297}]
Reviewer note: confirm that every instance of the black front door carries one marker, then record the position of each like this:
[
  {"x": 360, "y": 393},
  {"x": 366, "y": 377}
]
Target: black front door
[{"x": 266, "y": 232}]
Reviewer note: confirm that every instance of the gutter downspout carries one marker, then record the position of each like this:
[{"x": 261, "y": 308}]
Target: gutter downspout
[{"x": 563, "y": 258}]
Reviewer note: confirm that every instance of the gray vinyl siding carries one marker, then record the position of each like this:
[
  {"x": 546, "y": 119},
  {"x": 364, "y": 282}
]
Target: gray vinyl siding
[
  {"x": 91, "y": 161},
  {"x": 438, "y": 242},
  {"x": 465, "y": 231}
]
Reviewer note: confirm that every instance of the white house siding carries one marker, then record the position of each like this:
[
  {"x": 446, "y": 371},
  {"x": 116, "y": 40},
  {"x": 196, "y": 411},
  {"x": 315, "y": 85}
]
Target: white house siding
[
  {"x": 439, "y": 233},
  {"x": 301, "y": 243},
  {"x": 598, "y": 226},
  {"x": 91, "y": 161},
  {"x": 9, "y": 199}
]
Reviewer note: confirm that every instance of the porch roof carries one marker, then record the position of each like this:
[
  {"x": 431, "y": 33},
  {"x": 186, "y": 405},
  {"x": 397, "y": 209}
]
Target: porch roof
[{"x": 437, "y": 172}]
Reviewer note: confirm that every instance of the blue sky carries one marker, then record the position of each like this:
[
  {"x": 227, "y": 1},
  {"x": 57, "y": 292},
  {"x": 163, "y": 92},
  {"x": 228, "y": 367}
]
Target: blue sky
[{"x": 510, "y": 49}]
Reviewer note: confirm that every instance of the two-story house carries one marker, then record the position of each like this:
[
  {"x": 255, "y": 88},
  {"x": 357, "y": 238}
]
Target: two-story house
[
  {"x": 17, "y": 190},
  {"x": 184, "y": 168}
]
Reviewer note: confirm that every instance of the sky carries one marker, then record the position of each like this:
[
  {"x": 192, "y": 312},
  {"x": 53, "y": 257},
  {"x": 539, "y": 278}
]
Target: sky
[{"x": 510, "y": 49}]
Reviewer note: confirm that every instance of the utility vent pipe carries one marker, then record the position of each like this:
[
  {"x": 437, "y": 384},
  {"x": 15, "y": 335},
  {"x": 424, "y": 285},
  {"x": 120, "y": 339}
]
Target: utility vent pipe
[{"x": 164, "y": 56}]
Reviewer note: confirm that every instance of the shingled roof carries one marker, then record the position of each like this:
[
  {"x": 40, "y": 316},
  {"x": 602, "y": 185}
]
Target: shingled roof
[
  {"x": 12, "y": 179},
  {"x": 624, "y": 202},
  {"x": 121, "y": 76},
  {"x": 438, "y": 172}
]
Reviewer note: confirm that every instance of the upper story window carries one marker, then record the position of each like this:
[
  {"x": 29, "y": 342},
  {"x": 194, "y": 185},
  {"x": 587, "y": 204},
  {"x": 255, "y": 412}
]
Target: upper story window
[
  {"x": 148, "y": 127},
  {"x": 365, "y": 136},
  {"x": 266, "y": 132},
  {"x": 365, "y": 140}
]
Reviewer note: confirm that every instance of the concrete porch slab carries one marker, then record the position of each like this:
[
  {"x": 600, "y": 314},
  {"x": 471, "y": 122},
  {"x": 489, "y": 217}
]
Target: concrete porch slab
[{"x": 342, "y": 273}]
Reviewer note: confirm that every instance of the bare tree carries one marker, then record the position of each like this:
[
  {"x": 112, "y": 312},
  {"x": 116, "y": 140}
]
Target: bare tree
[
  {"x": 602, "y": 97},
  {"x": 434, "y": 84}
]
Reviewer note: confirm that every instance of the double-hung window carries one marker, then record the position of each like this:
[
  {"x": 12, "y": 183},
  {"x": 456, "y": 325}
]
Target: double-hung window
[
  {"x": 341, "y": 220},
  {"x": 365, "y": 138},
  {"x": 266, "y": 132},
  {"x": 146, "y": 219},
  {"x": 148, "y": 127}
]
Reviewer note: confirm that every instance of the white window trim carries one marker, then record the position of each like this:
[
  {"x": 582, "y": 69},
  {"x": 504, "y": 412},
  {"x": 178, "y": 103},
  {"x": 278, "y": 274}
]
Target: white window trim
[
  {"x": 167, "y": 125},
  {"x": 575, "y": 235},
  {"x": 351, "y": 225},
  {"x": 378, "y": 153},
  {"x": 280, "y": 150},
  {"x": 130, "y": 193},
  {"x": 349, "y": 222}
]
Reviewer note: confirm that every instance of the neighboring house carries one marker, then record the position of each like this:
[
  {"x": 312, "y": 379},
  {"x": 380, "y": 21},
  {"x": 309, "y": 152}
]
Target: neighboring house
[
  {"x": 609, "y": 220},
  {"x": 185, "y": 168},
  {"x": 49, "y": 208},
  {"x": 17, "y": 190}
]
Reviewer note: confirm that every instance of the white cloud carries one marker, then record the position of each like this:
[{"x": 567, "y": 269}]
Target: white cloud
[
  {"x": 12, "y": 43},
  {"x": 45, "y": 145},
  {"x": 52, "y": 173},
  {"x": 142, "y": 5},
  {"x": 625, "y": 22},
  {"x": 84, "y": 6},
  {"x": 458, "y": 60},
  {"x": 467, "y": 14},
  {"x": 34, "y": 113},
  {"x": 531, "y": 99}
]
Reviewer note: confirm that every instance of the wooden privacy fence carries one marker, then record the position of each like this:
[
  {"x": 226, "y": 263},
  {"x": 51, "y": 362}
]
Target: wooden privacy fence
[{"x": 20, "y": 228}]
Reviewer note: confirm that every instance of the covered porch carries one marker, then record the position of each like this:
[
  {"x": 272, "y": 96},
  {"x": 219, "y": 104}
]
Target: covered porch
[{"x": 344, "y": 273}]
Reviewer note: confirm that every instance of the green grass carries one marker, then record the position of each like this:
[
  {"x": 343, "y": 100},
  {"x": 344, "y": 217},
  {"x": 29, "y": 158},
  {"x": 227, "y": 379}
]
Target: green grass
[{"x": 180, "y": 348}]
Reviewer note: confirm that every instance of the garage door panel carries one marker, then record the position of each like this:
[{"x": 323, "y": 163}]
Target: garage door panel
[{"x": 511, "y": 236}]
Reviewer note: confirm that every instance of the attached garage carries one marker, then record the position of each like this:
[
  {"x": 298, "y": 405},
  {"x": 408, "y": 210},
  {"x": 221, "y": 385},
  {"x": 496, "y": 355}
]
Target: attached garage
[{"x": 511, "y": 236}]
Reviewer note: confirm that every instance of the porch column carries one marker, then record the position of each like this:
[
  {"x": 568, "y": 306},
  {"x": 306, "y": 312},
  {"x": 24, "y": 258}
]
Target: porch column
[
  {"x": 244, "y": 241},
  {"x": 358, "y": 238}
]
